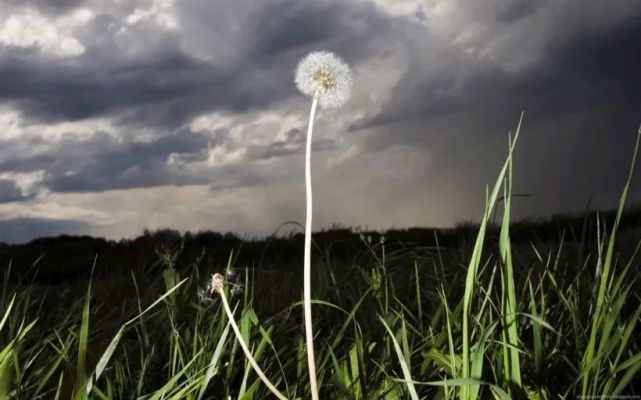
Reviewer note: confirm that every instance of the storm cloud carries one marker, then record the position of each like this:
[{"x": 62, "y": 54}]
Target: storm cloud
[
  {"x": 163, "y": 85},
  {"x": 9, "y": 191},
  {"x": 21, "y": 230},
  {"x": 190, "y": 105}
]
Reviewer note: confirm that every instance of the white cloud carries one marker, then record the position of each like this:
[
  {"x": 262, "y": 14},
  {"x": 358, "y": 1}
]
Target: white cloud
[
  {"x": 9, "y": 124},
  {"x": 223, "y": 155},
  {"x": 51, "y": 207},
  {"x": 28, "y": 28},
  {"x": 406, "y": 8},
  {"x": 27, "y": 182},
  {"x": 159, "y": 12},
  {"x": 343, "y": 157},
  {"x": 210, "y": 122},
  {"x": 40, "y": 136}
]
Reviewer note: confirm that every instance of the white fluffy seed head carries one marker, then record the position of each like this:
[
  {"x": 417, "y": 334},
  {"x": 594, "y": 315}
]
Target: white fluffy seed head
[{"x": 326, "y": 76}]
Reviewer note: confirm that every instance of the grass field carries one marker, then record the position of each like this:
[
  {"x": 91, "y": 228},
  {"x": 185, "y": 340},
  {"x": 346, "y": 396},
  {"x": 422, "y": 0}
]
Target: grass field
[{"x": 486, "y": 318}]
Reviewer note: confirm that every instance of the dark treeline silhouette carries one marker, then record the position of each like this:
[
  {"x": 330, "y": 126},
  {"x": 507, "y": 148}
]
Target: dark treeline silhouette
[{"x": 65, "y": 257}]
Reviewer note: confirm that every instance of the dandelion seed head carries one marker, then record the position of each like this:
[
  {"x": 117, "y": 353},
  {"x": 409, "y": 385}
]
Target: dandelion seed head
[{"x": 325, "y": 75}]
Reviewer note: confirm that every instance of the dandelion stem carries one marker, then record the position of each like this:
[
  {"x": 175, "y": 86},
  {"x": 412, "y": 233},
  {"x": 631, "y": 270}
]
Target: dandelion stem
[
  {"x": 307, "y": 287},
  {"x": 248, "y": 354}
]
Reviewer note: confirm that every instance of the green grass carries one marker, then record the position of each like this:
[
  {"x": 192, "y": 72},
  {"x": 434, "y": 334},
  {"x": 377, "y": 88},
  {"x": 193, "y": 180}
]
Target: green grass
[{"x": 542, "y": 320}]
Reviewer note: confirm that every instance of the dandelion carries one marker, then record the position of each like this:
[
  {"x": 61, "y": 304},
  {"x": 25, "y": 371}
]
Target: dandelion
[
  {"x": 324, "y": 76},
  {"x": 217, "y": 285},
  {"x": 328, "y": 80}
]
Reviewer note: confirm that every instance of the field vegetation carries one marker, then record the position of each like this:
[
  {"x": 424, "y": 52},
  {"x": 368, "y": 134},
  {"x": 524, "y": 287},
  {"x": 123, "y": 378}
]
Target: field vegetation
[{"x": 544, "y": 309}]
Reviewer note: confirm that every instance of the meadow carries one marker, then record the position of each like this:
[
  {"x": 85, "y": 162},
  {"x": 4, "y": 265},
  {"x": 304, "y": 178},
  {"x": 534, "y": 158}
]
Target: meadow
[{"x": 526, "y": 310}]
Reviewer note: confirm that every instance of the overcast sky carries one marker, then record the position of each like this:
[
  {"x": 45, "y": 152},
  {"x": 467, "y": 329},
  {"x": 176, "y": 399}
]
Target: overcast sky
[{"x": 120, "y": 115}]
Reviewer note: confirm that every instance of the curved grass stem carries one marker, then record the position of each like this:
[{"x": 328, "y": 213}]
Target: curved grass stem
[{"x": 248, "y": 353}]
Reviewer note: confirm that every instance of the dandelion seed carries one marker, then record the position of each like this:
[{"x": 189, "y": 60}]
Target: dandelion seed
[
  {"x": 324, "y": 75},
  {"x": 236, "y": 290},
  {"x": 204, "y": 296}
]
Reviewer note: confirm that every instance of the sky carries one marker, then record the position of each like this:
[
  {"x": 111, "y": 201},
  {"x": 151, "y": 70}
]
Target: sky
[{"x": 123, "y": 115}]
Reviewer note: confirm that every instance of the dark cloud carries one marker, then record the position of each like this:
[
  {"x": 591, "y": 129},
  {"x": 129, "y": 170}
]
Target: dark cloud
[
  {"x": 603, "y": 60},
  {"x": 164, "y": 90},
  {"x": 582, "y": 102},
  {"x": 9, "y": 191},
  {"x": 285, "y": 30},
  {"x": 284, "y": 26},
  {"x": 513, "y": 10},
  {"x": 48, "y": 6},
  {"x": 293, "y": 143},
  {"x": 102, "y": 162},
  {"x": 147, "y": 164},
  {"x": 21, "y": 230},
  {"x": 582, "y": 73},
  {"x": 165, "y": 86},
  {"x": 235, "y": 176},
  {"x": 24, "y": 163},
  {"x": 129, "y": 165}
]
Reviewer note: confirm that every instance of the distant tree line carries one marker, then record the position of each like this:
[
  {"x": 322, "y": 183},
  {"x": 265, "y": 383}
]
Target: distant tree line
[{"x": 64, "y": 257}]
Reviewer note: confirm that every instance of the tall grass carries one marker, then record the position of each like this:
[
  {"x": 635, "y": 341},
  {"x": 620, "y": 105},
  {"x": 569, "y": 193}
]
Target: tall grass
[
  {"x": 600, "y": 372},
  {"x": 397, "y": 321}
]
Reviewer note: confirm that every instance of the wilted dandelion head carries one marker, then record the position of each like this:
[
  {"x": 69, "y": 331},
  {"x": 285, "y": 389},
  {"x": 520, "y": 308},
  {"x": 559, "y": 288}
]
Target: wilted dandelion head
[
  {"x": 217, "y": 283},
  {"x": 324, "y": 75}
]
